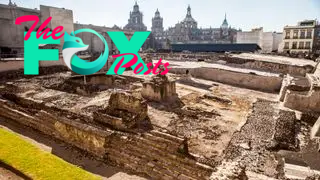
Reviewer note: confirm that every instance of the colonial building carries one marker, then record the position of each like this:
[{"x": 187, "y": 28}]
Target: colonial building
[
  {"x": 135, "y": 21},
  {"x": 268, "y": 41},
  {"x": 300, "y": 38},
  {"x": 187, "y": 31}
]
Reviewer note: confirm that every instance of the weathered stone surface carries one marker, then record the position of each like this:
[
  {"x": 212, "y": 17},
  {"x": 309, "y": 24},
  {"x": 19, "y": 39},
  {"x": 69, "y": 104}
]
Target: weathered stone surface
[
  {"x": 154, "y": 154},
  {"x": 305, "y": 101},
  {"x": 125, "y": 112},
  {"x": 196, "y": 112},
  {"x": 87, "y": 140},
  {"x": 115, "y": 122},
  {"x": 160, "y": 88},
  {"x": 125, "y": 101},
  {"x": 217, "y": 98},
  {"x": 230, "y": 170},
  {"x": 299, "y": 84},
  {"x": 285, "y": 129},
  {"x": 315, "y": 131}
]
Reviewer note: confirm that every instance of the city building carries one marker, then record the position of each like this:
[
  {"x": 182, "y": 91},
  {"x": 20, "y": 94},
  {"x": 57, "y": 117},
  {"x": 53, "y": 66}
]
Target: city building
[
  {"x": 268, "y": 41},
  {"x": 11, "y": 35},
  {"x": 135, "y": 21},
  {"x": 316, "y": 42},
  {"x": 187, "y": 31},
  {"x": 218, "y": 48},
  {"x": 300, "y": 38}
]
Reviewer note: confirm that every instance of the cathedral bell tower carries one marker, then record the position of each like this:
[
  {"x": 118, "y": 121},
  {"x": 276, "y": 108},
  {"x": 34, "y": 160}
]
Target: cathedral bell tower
[{"x": 157, "y": 24}]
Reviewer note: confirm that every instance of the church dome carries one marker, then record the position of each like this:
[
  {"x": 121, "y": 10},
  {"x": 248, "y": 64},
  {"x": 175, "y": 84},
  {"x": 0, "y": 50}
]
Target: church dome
[{"x": 189, "y": 18}]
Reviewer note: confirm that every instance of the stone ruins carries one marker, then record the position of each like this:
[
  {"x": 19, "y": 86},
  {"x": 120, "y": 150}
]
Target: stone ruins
[{"x": 213, "y": 116}]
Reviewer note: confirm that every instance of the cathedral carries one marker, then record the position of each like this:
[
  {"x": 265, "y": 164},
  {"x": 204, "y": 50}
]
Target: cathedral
[{"x": 186, "y": 31}]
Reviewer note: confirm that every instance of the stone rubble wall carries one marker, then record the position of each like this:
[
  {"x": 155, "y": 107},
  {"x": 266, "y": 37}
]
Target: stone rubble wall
[
  {"x": 266, "y": 131},
  {"x": 307, "y": 100},
  {"x": 159, "y": 93},
  {"x": 273, "y": 67},
  {"x": 303, "y": 102},
  {"x": 13, "y": 65},
  {"x": 285, "y": 129},
  {"x": 239, "y": 79},
  {"x": 154, "y": 154}
]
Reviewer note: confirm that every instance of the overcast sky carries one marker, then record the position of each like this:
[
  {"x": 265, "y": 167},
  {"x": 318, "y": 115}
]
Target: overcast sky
[{"x": 272, "y": 15}]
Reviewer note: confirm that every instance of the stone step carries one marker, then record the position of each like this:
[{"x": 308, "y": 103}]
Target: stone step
[
  {"x": 185, "y": 165},
  {"x": 26, "y": 120},
  {"x": 117, "y": 144},
  {"x": 158, "y": 143},
  {"x": 139, "y": 165},
  {"x": 142, "y": 143},
  {"x": 141, "y": 160}
]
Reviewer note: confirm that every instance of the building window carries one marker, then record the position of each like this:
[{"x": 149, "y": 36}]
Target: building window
[
  {"x": 309, "y": 34},
  {"x": 286, "y": 45},
  {"x": 287, "y": 34},
  {"x": 295, "y": 34},
  {"x": 294, "y": 45},
  {"x": 302, "y": 34},
  {"x": 308, "y": 45},
  {"x": 301, "y": 45}
]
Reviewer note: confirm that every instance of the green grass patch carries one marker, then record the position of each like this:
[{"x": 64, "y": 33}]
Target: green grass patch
[{"x": 36, "y": 163}]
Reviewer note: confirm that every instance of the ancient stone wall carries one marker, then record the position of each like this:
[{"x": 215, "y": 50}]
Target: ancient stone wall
[
  {"x": 301, "y": 101},
  {"x": 13, "y": 65},
  {"x": 294, "y": 70},
  {"x": 267, "y": 66},
  {"x": 154, "y": 154},
  {"x": 245, "y": 80},
  {"x": 159, "y": 88},
  {"x": 303, "y": 97}
]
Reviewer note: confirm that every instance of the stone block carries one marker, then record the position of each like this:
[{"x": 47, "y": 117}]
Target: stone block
[
  {"x": 115, "y": 122},
  {"x": 127, "y": 102},
  {"x": 159, "y": 89}
]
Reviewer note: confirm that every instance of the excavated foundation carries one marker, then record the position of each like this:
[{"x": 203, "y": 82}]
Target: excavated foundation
[{"x": 167, "y": 154}]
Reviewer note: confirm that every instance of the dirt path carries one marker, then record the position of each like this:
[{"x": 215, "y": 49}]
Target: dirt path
[{"x": 6, "y": 174}]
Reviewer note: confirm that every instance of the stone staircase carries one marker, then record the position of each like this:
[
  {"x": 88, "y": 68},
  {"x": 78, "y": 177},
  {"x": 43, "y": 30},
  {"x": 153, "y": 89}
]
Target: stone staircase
[{"x": 157, "y": 154}]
